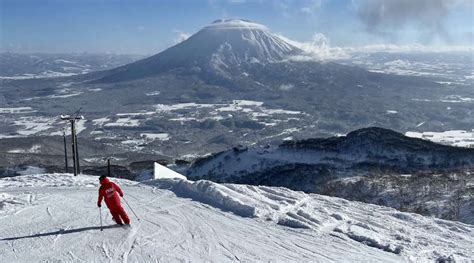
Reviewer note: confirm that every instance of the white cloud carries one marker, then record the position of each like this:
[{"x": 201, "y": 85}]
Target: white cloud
[
  {"x": 391, "y": 18},
  {"x": 293, "y": 8},
  {"x": 181, "y": 36},
  {"x": 317, "y": 49},
  {"x": 311, "y": 7}
]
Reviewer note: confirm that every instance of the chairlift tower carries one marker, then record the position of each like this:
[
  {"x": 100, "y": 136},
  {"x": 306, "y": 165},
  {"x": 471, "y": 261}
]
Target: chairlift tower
[
  {"x": 75, "y": 151},
  {"x": 65, "y": 151}
]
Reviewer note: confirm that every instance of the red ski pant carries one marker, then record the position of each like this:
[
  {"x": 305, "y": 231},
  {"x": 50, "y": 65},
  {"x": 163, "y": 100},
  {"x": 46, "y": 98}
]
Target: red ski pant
[{"x": 119, "y": 214}]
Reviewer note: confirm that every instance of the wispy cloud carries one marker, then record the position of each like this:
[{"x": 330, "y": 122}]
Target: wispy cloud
[
  {"x": 389, "y": 18},
  {"x": 283, "y": 7},
  {"x": 319, "y": 49},
  {"x": 180, "y": 36},
  {"x": 221, "y": 7},
  {"x": 311, "y": 7},
  {"x": 291, "y": 8}
]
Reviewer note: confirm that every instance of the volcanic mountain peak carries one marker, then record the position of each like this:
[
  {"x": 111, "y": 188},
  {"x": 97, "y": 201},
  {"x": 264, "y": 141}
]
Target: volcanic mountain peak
[
  {"x": 230, "y": 42},
  {"x": 219, "y": 48}
]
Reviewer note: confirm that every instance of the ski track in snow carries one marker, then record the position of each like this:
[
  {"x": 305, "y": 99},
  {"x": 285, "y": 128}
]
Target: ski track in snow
[{"x": 53, "y": 217}]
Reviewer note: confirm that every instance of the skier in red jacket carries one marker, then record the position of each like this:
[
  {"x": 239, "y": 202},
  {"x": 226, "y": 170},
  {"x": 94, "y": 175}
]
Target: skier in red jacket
[{"x": 110, "y": 192}]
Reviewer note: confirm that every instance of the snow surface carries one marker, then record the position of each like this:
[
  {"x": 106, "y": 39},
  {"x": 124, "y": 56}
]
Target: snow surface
[
  {"x": 62, "y": 94},
  {"x": 161, "y": 171},
  {"x": 33, "y": 149},
  {"x": 253, "y": 109},
  {"x": 123, "y": 122},
  {"x": 101, "y": 121},
  {"x": 154, "y": 93},
  {"x": 53, "y": 217},
  {"x": 16, "y": 110},
  {"x": 34, "y": 125},
  {"x": 156, "y": 136},
  {"x": 45, "y": 74},
  {"x": 458, "y": 138}
]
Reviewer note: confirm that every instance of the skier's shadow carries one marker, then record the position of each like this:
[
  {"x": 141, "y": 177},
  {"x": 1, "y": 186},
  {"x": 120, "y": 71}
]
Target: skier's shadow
[{"x": 61, "y": 232}]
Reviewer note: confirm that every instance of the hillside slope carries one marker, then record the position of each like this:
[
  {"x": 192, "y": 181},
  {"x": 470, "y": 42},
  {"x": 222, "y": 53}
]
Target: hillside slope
[
  {"x": 53, "y": 217},
  {"x": 372, "y": 165},
  {"x": 305, "y": 164}
]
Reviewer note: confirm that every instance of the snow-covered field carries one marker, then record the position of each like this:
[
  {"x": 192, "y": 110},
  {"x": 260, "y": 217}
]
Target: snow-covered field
[
  {"x": 36, "y": 148},
  {"x": 33, "y": 125},
  {"x": 16, "y": 110},
  {"x": 453, "y": 67},
  {"x": 40, "y": 126},
  {"x": 455, "y": 138},
  {"x": 156, "y": 136},
  {"x": 46, "y": 74},
  {"x": 53, "y": 217},
  {"x": 123, "y": 122},
  {"x": 254, "y": 110},
  {"x": 29, "y": 125}
]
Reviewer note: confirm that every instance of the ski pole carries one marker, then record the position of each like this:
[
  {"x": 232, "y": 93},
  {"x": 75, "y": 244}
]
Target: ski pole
[
  {"x": 100, "y": 214},
  {"x": 131, "y": 208}
]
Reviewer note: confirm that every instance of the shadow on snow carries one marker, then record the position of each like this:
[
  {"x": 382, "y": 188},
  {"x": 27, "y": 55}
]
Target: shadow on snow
[{"x": 61, "y": 232}]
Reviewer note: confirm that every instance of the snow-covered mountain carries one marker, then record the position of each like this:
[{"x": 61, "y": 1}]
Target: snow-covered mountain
[
  {"x": 223, "y": 45},
  {"x": 184, "y": 103},
  {"x": 53, "y": 217},
  {"x": 360, "y": 152},
  {"x": 372, "y": 165}
]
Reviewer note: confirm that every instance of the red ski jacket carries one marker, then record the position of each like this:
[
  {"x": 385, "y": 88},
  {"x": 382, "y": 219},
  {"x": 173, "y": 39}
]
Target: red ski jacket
[{"x": 110, "y": 192}]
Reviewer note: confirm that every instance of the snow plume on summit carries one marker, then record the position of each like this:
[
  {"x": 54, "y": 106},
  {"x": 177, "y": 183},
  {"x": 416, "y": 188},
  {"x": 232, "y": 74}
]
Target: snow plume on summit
[{"x": 318, "y": 48}]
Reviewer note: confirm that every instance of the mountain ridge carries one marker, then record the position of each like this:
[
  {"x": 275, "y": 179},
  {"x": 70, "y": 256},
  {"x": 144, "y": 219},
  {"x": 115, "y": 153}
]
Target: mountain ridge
[
  {"x": 376, "y": 135},
  {"x": 371, "y": 165}
]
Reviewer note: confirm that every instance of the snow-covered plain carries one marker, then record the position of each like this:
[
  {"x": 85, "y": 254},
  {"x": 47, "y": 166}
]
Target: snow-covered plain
[
  {"x": 46, "y": 74},
  {"x": 53, "y": 217},
  {"x": 35, "y": 148},
  {"x": 458, "y": 138},
  {"x": 16, "y": 110}
]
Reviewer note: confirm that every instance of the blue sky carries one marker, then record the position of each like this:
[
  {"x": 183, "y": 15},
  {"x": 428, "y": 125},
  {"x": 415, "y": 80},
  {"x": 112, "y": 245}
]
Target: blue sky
[{"x": 149, "y": 26}]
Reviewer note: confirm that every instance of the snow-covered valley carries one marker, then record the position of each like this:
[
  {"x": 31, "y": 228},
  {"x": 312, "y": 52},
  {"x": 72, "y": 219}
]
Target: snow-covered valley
[{"x": 53, "y": 217}]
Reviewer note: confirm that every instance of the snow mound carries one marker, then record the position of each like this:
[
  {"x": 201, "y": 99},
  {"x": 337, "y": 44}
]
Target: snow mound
[
  {"x": 164, "y": 172},
  {"x": 410, "y": 235},
  {"x": 210, "y": 193}
]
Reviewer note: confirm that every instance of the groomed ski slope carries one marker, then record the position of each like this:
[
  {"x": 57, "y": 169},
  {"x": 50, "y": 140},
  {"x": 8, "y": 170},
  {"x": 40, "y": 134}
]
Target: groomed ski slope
[{"x": 53, "y": 217}]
